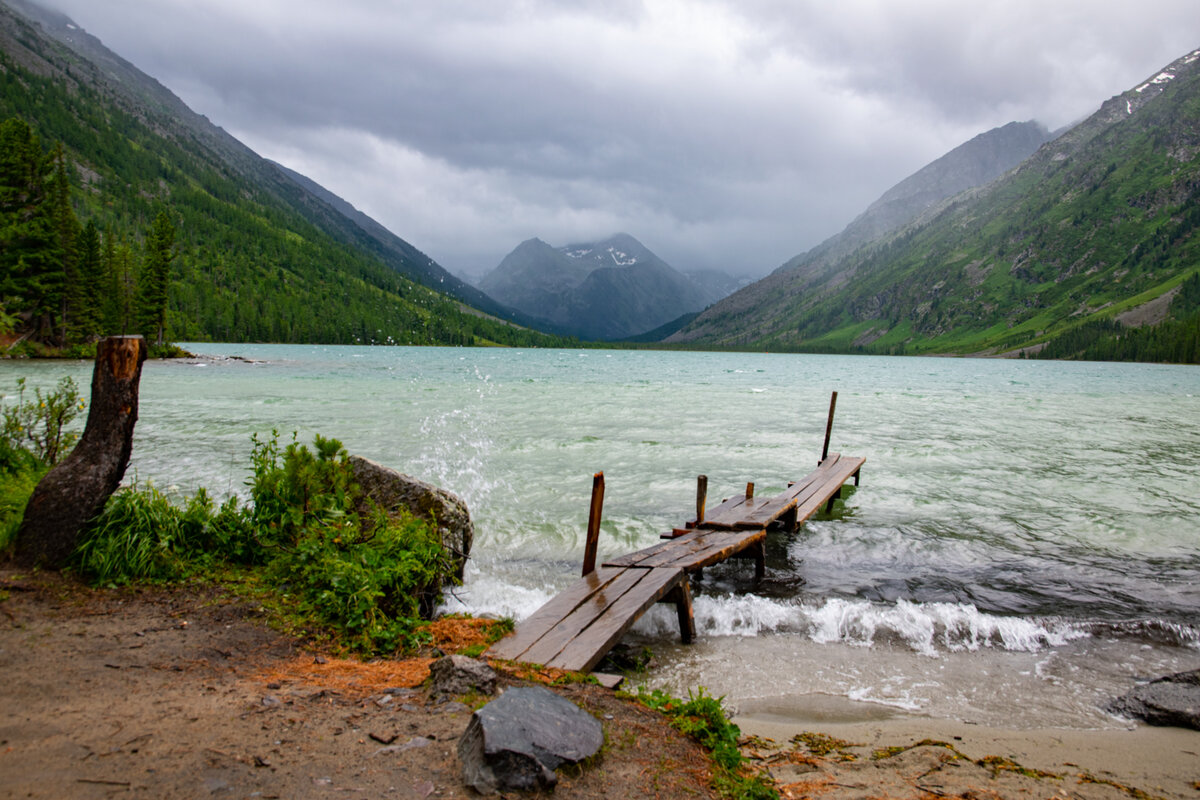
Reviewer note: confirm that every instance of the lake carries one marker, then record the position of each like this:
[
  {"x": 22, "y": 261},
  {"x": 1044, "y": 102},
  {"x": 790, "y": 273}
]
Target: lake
[{"x": 1025, "y": 541}]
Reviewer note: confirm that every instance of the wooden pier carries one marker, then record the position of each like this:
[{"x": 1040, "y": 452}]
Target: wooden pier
[{"x": 575, "y": 630}]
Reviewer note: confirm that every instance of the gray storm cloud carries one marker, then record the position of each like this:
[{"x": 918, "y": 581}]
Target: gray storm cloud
[{"x": 721, "y": 134}]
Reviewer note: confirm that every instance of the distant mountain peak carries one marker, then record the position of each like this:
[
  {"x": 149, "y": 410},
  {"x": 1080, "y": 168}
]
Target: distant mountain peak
[{"x": 610, "y": 289}]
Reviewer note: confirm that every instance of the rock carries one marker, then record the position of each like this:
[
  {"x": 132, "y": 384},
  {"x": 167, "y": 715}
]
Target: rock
[
  {"x": 455, "y": 675},
  {"x": 393, "y": 490},
  {"x": 517, "y": 741},
  {"x": 1172, "y": 700}
]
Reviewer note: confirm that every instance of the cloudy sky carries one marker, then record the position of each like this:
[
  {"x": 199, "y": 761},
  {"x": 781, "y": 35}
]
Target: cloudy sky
[{"x": 731, "y": 134}]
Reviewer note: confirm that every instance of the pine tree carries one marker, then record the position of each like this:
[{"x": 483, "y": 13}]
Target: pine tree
[
  {"x": 154, "y": 284},
  {"x": 90, "y": 316},
  {"x": 30, "y": 264},
  {"x": 66, "y": 283}
]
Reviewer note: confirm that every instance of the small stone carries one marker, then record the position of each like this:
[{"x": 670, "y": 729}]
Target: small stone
[
  {"x": 458, "y": 675},
  {"x": 271, "y": 701}
]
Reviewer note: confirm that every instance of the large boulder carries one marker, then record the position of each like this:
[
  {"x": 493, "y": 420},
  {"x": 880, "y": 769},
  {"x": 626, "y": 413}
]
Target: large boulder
[
  {"x": 393, "y": 490},
  {"x": 1172, "y": 700},
  {"x": 517, "y": 741}
]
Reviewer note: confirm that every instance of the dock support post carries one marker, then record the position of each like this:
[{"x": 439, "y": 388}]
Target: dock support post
[
  {"x": 760, "y": 560},
  {"x": 701, "y": 498},
  {"x": 749, "y": 490},
  {"x": 593, "y": 528},
  {"x": 681, "y": 596},
  {"x": 829, "y": 426}
]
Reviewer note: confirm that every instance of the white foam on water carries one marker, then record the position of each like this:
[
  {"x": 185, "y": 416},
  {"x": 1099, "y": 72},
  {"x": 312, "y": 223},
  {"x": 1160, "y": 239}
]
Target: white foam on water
[{"x": 926, "y": 628}]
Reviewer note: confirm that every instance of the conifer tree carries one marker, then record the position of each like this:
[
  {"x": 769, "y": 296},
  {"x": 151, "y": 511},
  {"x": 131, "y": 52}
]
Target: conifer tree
[
  {"x": 30, "y": 263},
  {"x": 91, "y": 316},
  {"x": 65, "y": 282},
  {"x": 154, "y": 284}
]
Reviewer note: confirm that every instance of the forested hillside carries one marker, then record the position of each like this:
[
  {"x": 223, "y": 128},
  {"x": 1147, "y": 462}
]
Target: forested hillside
[
  {"x": 1080, "y": 251},
  {"x": 251, "y": 259}
]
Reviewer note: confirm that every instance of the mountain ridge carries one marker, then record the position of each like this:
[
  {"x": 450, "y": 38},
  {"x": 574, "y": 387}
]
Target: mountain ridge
[{"x": 1080, "y": 228}]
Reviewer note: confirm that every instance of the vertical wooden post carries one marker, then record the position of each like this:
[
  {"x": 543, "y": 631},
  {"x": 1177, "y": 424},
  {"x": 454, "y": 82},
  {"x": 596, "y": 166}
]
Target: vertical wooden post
[
  {"x": 829, "y": 426},
  {"x": 749, "y": 490},
  {"x": 683, "y": 610},
  {"x": 593, "y": 528},
  {"x": 701, "y": 497}
]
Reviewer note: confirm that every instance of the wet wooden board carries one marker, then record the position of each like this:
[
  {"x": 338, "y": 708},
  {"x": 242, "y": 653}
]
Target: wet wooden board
[
  {"x": 697, "y": 549},
  {"x": 612, "y": 621},
  {"x": 822, "y": 483},
  {"x": 545, "y": 618},
  {"x": 575, "y": 629}
]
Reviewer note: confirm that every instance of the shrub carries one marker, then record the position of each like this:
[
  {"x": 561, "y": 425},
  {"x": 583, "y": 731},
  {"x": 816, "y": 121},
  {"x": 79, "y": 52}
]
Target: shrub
[
  {"x": 39, "y": 425},
  {"x": 367, "y": 579}
]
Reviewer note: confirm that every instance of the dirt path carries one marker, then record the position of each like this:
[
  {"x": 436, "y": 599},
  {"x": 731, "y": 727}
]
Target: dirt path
[
  {"x": 179, "y": 694},
  {"x": 186, "y": 694}
]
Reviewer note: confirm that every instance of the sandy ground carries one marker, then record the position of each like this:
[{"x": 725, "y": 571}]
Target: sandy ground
[
  {"x": 185, "y": 693},
  {"x": 969, "y": 759}
]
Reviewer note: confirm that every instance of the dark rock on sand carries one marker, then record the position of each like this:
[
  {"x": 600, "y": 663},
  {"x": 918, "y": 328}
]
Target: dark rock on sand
[
  {"x": 517, "y": 741},
  {"x": 1173, "y": 700}
]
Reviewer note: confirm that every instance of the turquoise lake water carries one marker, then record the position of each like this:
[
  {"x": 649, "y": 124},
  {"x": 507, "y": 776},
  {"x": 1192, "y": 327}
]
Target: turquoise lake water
[{"x": 1023, "y": 529}]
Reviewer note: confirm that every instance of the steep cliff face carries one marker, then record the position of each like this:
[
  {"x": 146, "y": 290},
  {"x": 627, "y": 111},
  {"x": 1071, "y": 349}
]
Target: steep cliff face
[
  {"x": 604, "y": 290},
  {"x": 1097, "y": 221}
]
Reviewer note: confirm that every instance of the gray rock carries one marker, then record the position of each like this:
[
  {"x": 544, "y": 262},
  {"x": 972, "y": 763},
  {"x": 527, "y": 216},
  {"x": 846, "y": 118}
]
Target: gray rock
[
  {"x": 517, "y": 741},
  {"x": 393, "y": 490},
  {"x": 455, "y": 675},
  {"x": 1173, "y": 700}
]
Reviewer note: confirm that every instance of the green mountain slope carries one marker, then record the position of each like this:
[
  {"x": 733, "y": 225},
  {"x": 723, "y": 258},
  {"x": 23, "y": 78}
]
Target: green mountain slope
[
  {"x": 1099, "y": 222},
  {"x": 260, "y": 254}
]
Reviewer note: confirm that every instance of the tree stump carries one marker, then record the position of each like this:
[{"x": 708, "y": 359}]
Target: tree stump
[{"x": 76, "y": 489}]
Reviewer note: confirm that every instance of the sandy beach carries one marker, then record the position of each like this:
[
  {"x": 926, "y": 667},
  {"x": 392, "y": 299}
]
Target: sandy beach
[{"x": 1163, "y": 762}]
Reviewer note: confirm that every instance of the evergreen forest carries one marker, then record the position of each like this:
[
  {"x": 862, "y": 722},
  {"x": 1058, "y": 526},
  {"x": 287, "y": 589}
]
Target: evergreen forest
[{"x": 117, "y": 218}]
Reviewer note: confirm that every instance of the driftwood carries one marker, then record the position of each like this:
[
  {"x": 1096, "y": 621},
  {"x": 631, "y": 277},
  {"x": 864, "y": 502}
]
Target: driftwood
[{"x": 76, "y": 489}]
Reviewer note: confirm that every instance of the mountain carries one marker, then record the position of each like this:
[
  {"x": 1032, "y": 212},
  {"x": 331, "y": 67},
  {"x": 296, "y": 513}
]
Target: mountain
[
  {"x": 262, "y": 252},
  {"x": 1098, "y": 222},
  {"x": 605, "y": 290}
]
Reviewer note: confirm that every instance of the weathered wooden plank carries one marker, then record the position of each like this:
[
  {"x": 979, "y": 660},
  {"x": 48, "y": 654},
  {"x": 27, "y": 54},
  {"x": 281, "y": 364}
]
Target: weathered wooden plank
[
  {"x": 536, "y": 625},
  {"x": 718, "y": 547},
  {"x": 725, "y": 507},
  {"x": 571, "y": 626},
  {"x": 585, "y": 650},
  {"x": 845, "y": 469}
]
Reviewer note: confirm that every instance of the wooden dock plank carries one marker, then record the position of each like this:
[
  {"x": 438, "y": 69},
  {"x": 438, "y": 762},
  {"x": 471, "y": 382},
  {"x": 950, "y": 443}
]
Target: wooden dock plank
[
  {"x": 699, "y": 548},
  {"x": 544, "y": 650},
  {"x": 720, "y": 546},
  {"x": 545, "y": 618},
  {"x": 585, "y": 651},
  {"x": 843, "y": 471}
]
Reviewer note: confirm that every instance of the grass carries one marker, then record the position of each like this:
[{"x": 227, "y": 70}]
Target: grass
[{"x": 703, "y": 718}]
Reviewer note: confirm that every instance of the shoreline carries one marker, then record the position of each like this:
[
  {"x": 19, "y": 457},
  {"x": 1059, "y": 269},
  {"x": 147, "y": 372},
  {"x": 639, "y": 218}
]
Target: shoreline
[{"x": 1161, "y": 761}]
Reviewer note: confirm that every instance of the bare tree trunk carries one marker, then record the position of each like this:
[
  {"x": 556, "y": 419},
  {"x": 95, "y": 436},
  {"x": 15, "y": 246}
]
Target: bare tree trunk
[{"x": 76, "y": 489}]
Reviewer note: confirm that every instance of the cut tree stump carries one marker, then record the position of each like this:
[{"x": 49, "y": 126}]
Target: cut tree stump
[{"x": 75, "y": 490}]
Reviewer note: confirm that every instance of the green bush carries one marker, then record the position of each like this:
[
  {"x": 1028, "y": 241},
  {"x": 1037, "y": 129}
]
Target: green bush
[
  {"x": 365, "y": 578},
  {"x": 20, "y": 472},
  {"x": 39, "y": 425}
]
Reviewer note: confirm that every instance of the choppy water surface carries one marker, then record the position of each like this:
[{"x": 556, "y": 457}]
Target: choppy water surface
[{"x": 1024, "y": 530}]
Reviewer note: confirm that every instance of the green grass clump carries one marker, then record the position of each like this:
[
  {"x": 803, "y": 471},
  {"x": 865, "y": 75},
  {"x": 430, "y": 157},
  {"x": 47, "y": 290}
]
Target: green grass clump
[{"x": 703, "y": 717}]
